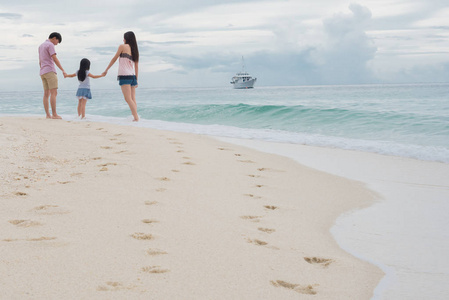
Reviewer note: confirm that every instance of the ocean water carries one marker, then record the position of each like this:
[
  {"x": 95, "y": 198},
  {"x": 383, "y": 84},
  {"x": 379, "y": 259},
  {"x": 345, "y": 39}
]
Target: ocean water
[
  {"x": 397, "y": 120},
  {"x": 400, "y": 120}
]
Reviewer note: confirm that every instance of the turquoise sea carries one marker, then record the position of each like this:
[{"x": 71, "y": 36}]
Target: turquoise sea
[
  {"x": 403, "y": 120},
  {"x": 408, "y": 120}
]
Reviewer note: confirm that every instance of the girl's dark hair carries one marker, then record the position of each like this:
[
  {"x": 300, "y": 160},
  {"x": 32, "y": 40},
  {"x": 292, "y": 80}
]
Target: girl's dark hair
[
  {"x": 130, "y": 39},
  {"x": 84, "y": 66}
]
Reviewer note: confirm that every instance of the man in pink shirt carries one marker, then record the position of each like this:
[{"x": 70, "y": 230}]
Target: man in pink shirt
[{"x": 47, "y": 61}]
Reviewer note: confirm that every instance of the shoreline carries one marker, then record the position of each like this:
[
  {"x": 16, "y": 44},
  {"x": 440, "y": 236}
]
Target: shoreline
[
  {"x": 181, "y": 214},
  {"x": 398, "y": 231}
]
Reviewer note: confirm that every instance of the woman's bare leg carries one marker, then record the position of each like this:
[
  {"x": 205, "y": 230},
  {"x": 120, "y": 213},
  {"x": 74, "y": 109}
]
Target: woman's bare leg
[{"x": 127, "y": 93}]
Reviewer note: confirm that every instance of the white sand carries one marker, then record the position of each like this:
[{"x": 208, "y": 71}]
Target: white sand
[
  {"x": 101, "y": 211},
  {"x": 405, "y": 232}
]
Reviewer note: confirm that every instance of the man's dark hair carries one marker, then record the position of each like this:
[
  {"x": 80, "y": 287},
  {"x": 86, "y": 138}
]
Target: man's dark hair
[{"x": 56, "y": 35}]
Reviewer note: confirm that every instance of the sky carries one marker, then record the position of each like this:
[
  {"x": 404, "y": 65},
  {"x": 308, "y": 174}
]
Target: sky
[{"x": 200, "y": 43}]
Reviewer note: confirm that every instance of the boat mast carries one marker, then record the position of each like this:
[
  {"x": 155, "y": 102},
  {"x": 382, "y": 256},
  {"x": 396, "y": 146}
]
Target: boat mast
[{"x": 243, "y": 65}]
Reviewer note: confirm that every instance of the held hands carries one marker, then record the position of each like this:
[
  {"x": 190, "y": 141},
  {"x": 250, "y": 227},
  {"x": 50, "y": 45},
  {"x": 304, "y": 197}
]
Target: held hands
[{"x": 104, "y": 73}]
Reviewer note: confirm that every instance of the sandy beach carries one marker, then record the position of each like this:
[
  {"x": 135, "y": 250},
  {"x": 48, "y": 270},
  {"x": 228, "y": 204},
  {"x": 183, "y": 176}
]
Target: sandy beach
[
  {"x": 103, "y": 211},
  {"x": 405, "y": 232}
]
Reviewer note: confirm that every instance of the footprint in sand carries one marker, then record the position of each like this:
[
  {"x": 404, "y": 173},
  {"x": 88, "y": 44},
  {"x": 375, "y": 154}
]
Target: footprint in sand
[
  {"x": 39, "y": 239},
  {"x": 42, "y": 238},
  {"x": 142, "y": 236},
  {"x": 302, "y": 289},
  {"x": 257, "y": 242},
  {"x": 271, "y": 207},
  {"x": 50, "y": 210},
  {"x": 188, "y": 163},
  {"x": 154, "y": 270},
  {"x": 120, "y": 152},
  {"x": 106, "y": 147},
  {"x": 224, "y": 149},
  {"x": 20, "y": 194},
  {"x": 150, "y": 202},
  {"x": 251, "y": 218},
  {"x": 160, "y": 190},
  {"x": 105, "y": 166},
  {"x": 254, "y": 176},
  {"x": 324, "y": 262},
  {"x": 25, "y": 223},
  {"x": 268, "y": 170},
  {"x": 10, "y": 240},
  {"x": 180, "y": 151},
  {"x": 237, "y": 154},
  {"x": 163, "y": 179},
  {"x": 148, "y": 221},
  {"x": 267, "y": 230},
  {"x": 114, "y": 286},
  {"x": 248, "y": 161},
  {"x": 154, "y": 252}
]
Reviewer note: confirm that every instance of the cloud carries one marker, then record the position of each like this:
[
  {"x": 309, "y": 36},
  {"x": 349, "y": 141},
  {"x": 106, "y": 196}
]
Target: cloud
[
  {"x": 348, "y": 49},
  {"x": 341, "y": 57},
  {"x": 11, "y": 16},
  {"x": 284, "y": 42},
  {"x": 103, "y": 50}
]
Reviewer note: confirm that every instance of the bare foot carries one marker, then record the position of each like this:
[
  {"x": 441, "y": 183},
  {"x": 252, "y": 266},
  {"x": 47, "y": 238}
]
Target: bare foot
[
  {"x": 136, "y": 120},
  {"x": 56, "y": 117},
  {"x": 48, "y": 117}
]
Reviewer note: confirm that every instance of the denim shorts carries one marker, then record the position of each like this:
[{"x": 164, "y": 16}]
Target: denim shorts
[{"x": 131, "y": 79}]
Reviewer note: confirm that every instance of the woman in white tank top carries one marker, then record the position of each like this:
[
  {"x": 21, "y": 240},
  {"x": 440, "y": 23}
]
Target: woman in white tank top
[{"x": 128, "y": 70}]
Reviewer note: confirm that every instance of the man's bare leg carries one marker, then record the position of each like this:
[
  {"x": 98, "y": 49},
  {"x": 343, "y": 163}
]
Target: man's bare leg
[
  {"x": 46, "y": 105},
  {"x": 53, "y": 94}
]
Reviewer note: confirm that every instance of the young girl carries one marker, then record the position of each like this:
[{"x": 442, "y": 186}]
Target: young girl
[
  {"x": 83, "y": 92},
  {"x": 128, "y": 70}
]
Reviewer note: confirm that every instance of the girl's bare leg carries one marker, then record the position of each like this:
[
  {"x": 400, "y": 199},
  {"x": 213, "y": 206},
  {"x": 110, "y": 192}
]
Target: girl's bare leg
[
  {"x": 83, "y": 108},
  {"x": 79, "y": 107},
  {"x": 127, "y": 93}
]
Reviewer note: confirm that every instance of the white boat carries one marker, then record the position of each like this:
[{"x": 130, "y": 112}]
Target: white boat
[{"x": 242, "y": 80}]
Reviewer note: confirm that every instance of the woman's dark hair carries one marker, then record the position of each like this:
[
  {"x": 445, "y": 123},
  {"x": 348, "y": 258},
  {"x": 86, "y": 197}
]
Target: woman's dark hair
[
  {"x": 84, "y": 66},
  {"x": 56, "y": 35},
  {"x": 130, "y": 39}
]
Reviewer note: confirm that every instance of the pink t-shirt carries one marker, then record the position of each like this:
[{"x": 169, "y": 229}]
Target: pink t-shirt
[{"x": 46, "y": 50}]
